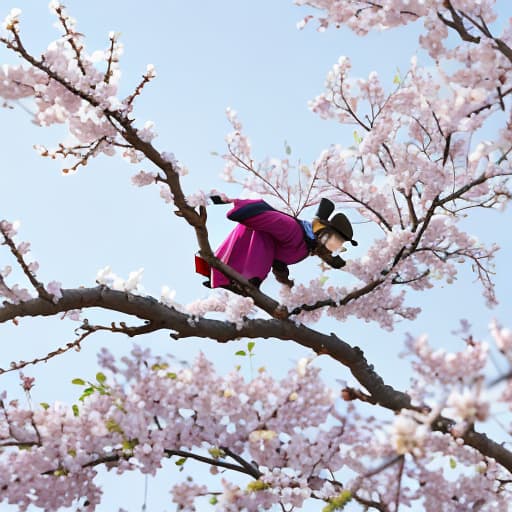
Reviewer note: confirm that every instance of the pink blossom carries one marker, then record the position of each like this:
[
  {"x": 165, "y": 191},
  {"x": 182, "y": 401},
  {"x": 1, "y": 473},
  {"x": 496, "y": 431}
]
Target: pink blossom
[
  {"x": 502, "y": 337},
  {"x": 27, "y": 383},
  {"x": 166, "y": 194},
  {"x": 143, "y": 178},
  {"x": 415, "y": 167},
  {"x": 54, "y": 288}
]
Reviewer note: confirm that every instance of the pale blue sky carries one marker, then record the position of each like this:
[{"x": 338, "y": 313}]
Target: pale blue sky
[{"x": 208, "y": 55}]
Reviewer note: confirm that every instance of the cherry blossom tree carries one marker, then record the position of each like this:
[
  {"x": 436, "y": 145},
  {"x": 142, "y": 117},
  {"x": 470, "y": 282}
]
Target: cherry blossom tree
[{"x": 422, "y": 162}]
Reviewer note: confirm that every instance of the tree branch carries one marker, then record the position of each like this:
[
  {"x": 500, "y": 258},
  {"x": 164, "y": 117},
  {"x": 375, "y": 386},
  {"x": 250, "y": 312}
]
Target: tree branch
[
  {"x": 124, "y": 127},
  {"x": 39, "y": 287},
  {"x": 164, "y": 317},
  {"x": 243, "y": 468}
]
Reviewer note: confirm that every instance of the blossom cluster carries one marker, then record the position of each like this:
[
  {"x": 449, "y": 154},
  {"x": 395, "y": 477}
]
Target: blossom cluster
[
  {"x": 453, "y": 381},
  {"x": 417, "y": 162},
  {"x": 235, "y": 307},
  {"x": 70, "y": 85},
  {"x": 362, "y": 17},
  {"x": 411, "y": 172},
  {"x": 416, "y": 166},
  {"x": 107, "y": 277},
  {"x": 290, "y": 438}
]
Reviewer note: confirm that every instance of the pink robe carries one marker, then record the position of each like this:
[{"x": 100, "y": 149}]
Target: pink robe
[{"x": 257, "y": 241}]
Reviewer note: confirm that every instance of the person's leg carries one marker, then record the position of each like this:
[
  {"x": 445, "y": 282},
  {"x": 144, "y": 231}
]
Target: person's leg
[{"x": 248, "y": 252}]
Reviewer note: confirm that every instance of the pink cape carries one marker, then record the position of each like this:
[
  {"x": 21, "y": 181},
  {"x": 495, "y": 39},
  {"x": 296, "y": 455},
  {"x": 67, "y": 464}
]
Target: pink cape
[{"x": 257, "y": 241}]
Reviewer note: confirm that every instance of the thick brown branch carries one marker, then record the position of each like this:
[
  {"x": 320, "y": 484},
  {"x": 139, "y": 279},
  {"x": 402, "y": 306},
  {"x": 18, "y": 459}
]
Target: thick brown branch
[{"x": 184, "y": 325}]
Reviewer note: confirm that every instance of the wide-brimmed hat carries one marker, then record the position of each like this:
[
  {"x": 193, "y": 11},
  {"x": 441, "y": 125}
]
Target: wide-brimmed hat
[{"x": 339, "y": 222}]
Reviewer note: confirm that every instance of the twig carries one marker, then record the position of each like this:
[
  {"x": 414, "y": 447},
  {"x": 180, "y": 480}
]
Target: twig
[
  {"x": 71, "y": 39},
  {"x": 214, "y": 462},
  {"x": 76, "y": 345},
  {"x": 108, "y": 72},
  {"x": 21, "y": 262},
  {"x": 399, "y": 483},
  {"x": 250, "y": 468}
]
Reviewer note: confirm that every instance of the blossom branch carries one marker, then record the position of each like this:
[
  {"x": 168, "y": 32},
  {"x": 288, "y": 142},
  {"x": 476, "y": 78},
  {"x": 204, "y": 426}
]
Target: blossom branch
[
  {"x": 353, "y": 295},
  {"x": 482, "y": 26},
  {"x": 363, "y": 203},
  {"x": 457, "y": 23},
  {"x": 74, "y": 345},
  {"x": 185, "y": 326},
  {"x": 146, "y": 78},
  {"x": 110, "y": 60},
  {"x": 71, "y": 35},
  {"x": 195, "y": 219},
  {"x": 250, "y": 469},
  {"x": 250, "y": 168},
  {"x": 82, "y": 157},
  {"x": 244, "y": 466},
  {"x": 39, "y": 287},
  {"x": 122, "y": 455}
]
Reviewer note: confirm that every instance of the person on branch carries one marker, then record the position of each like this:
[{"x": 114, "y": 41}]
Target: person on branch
[{"x": 267, "y": 239}]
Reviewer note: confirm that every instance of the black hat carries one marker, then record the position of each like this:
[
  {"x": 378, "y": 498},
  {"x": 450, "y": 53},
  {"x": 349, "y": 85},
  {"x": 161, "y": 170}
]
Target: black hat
[
  {"x": 339, "y": 222},
  {"x": 325, "y": 208}
]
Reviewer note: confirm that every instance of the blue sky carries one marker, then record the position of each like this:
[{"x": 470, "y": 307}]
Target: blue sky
[{"x": 208, "y": 56}]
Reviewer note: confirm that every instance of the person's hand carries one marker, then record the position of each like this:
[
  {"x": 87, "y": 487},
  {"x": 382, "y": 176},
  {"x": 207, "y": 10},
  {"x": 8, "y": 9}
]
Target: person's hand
[
  {"x": 282, "y": 273},
  {"x": 326, "y": 255},
  {"x": 220, "y": 199}
]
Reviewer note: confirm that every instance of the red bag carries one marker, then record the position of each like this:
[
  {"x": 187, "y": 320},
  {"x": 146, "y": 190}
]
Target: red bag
[{"x": 202, "y": 266}]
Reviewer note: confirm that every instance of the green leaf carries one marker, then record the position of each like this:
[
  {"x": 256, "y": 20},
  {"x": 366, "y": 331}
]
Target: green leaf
[
  {"x": 240, "y": 353},
  {"x": 216, "y": 453},
  {"x": 101, "y": 378},
  {"x": 358, "y": 139},
  {"x": 323, "y": 280},
  {"x": 76, "y": 411},
  {"x": 257, "y": 485},
  {"x": 86, "y": 392},
  {"x": 250, "y": 345},
  {"x": 78, "y": 382},
  {"x": 397, "y": 79},
  {"x": 171, "y": 375},
  {"x": 113, "y": 426},
  {"x": 130, "y": 444},
  {"x": 44, "y": 405},
  {"x": 337, "y": 503},
  {"x": 453, "y": 463},
  {"x": 181, "y": 461},
  {"x": 214, "y": 500},
  {"x": 160, "y": 366}
]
